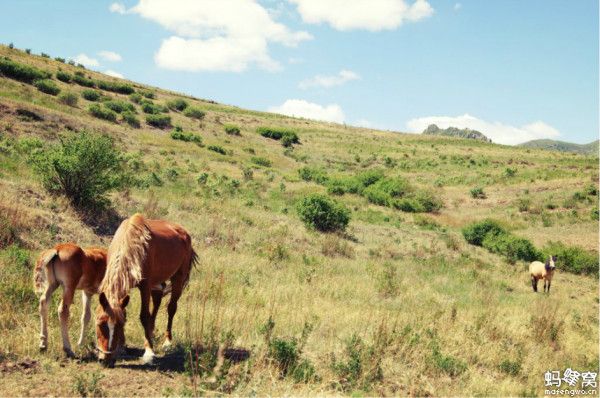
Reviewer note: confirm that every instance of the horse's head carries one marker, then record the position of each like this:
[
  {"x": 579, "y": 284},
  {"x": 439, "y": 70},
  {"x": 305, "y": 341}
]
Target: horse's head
[
  {"x": 551, "y": 263},
  {"x": 110, "y": 329}
]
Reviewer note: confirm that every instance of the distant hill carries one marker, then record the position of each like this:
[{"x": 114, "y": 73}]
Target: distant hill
[
  {"x": 433, "y": 129},
  {"x": 553, "y": 145}
]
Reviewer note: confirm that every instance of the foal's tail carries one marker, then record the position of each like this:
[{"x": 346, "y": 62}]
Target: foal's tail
[{"x": 42, "y": 270}]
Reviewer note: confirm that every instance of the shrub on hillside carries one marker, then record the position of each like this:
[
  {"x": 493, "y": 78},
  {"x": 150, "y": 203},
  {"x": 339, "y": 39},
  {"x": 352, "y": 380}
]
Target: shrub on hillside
[
  {"x": 231, "y": 129},
  {"x": 60, "y": 59},
  {"x": 177, "y": 104},
  {"x": 594, "y": 215},
  {"x": 68, "y": 99},
  {"x": 217, "y": 149},
  {"x": 160, "y": 121},
  {"x": 384, "y": 191},
  {"x": 476, "y": 232},
  {"x": 512, "y": 247},
  {"x": 148, "y": 94},
  {"x": 179, "y": 134},
  {"x": 131, "y": 119},
  {"x": 102, "y": 113},
  {"x": 261, "y": 161},
  {"x": 419, "y": 202},
  {"x": 136, "y": 98},
  {"x": 64, "y": 76},
  {"x": 572, "y": 258},
  {"x": 313, "y": 174},
  {"x": 21, "y": 72},
  {"x": 83, "y": 81},
  {"x": 90, "y": 95},
  {"x": 287, "y": 137},
  {"x": 478, "y": 193},
  {"x": 84, "y": 167},
  {"x": 47, "y": 86},
  {"x": 119, "y": 106},
  {"x": 151, "y": 108},
  {"x": 115, "y": 87},
  {"x": 322, "y": 213},
  {"x": 194, "y": 113}
]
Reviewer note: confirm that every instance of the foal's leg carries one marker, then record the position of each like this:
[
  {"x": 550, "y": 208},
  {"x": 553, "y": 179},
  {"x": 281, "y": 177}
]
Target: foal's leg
[
  {"x": 86, "y": 315},
  {"x": 534, "y": 283},
  {"x": 63, "y": 314},
  {"x": 549, "y": 282},
  {"x": 177, "y": 282},
  {"x": 146, "y": 319},
  {"x": 43, "y": 308}
]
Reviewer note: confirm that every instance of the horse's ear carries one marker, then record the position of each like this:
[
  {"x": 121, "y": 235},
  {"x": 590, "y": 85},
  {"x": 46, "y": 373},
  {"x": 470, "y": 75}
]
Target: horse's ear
[
  {"x": 124, "y": 301},
  {"x": 104, "y": 302},
  {"x": 547, "y": 263}
]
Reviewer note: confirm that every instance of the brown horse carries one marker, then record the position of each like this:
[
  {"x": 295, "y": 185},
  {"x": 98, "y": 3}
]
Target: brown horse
[
  {"x": 143, "y": 254},
  {"x": 73, "y": 268}
]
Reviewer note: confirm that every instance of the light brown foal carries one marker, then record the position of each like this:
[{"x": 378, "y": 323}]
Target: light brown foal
[{"x": 73, "y": 268}]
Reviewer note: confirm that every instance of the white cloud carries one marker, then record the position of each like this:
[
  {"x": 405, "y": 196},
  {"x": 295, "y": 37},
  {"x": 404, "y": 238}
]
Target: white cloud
[
  {"x": 457, "y": 6},
  {"x": 118, "y": 8},
  {"x": 342, "y": 77},
  {"x": 498, "y": 132},
  {"x": 373, "y": 15},
  {"x": 85, "y": 60},
  {"x": 216, "y": 35},
  {"x": 110, "y": 56},
  {"x": 112, "y": 73},
  {"x": 309, "y": 110}
]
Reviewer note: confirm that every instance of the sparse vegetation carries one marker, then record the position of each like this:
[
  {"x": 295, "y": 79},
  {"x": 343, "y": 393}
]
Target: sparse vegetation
[{"x": 68, "y": 99}]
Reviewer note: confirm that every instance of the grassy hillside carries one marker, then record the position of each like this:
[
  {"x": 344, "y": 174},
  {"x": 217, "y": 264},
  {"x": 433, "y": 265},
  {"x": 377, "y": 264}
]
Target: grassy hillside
[
  {"x": 553, "y": 145},
  {"x": 398, "y": 304}
]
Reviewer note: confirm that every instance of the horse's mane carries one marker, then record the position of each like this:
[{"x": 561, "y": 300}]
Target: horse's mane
[{"x": 126, "y": 253}]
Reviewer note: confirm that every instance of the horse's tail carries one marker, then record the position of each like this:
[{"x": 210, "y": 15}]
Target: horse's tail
[
  {"x": 194, "y": 260},
  {"x": 126, "y": 254},
  {"x": 42, "y": 268}
]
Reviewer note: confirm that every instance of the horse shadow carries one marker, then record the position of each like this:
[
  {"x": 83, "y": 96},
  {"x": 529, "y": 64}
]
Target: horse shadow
[
  {"x": 175, "y": 359},
  {"x": 103, "y": 219}
]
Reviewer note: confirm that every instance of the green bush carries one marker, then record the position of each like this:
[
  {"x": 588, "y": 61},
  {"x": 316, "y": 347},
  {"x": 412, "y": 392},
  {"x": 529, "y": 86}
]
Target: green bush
[
  {"x": 60, "y": 59},
  {"x": 360, "y": 366},
  {"x": 21, "y": 72},
  {"x": 160, "y": 121},
  {"x": 68, "y": 99},
  {"x": 231, "y": 129},
  {"x": 419, "y": 202},
  {"x": 115, "y": 87},
  {"x": 594, "y": 214},
  {"x": 478, "y": 193},
  {"x": 64, "y": 76},
  {"x": 90, "y": 95},
  {"x": 217, "y": 149},
  {"x": 83, "y": 81},
  {"x": 194, "y": 113},
  {"x": 148, "y": 94},
  {"x": 288, "y": 137},
  {"x": 136, "y": 98},
  {"x": 44, "y": 55},
  {"x": 313, "y": 174},
  {"x": 512, "y": 247},
  {"x": 102, "y": 113},
  {"x": 131, "y": 119},
  {"x": 261, "y": 161},
  {"x": 119, "y": 106},
  {"x": 323, "y": 213},
  {"x": 151, "y": 108},
  {"x": 572, "y": 259},
  {"x": 591, "y": 189},
  {"x": 84, "y": 167},
  {"x": 179, "y": 134},
  {"x": 476, "y": 232},
  {"x": 177, "y": 104},
  {"x": 384, "y": 191},
  {"x": 47, "y": 86}
]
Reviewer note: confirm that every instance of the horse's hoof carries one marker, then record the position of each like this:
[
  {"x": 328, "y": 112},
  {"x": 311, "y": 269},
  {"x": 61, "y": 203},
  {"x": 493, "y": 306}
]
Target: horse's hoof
[
  {"x": 68, "y": 353},
  {"x": 148, "y": 357},
  {"x": 43, "y": 347}
]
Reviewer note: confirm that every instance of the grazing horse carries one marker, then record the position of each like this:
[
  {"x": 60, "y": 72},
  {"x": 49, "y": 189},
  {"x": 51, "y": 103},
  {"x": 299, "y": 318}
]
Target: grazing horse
[
  {"x": 143, "y": 254},
  {"x": 73, "y": 268},
  {"x": 539, "y": 270}
]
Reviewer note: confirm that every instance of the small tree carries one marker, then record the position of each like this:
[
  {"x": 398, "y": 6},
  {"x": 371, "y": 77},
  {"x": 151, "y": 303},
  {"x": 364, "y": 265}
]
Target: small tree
[{"x": 84, "y": 167}]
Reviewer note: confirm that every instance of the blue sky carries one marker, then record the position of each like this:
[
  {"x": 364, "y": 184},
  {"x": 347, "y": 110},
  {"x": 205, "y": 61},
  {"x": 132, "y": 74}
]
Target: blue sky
[{"x": 513, "y": 69}]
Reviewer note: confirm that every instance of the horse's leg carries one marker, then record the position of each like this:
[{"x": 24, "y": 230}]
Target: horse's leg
[
  {"x": 145, "y": 318},
  {"x": 177, "y": 282},
  {"x": 86, "y": 315},
  {"x": 43, "y": 308},
  {"x": 157, "y": 296},
  {"x": 63, "y": 314},
  {"x": 549, "y": 282}
]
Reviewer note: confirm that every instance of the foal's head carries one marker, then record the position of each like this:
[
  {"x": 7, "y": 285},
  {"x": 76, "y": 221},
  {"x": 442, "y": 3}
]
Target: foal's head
[
  {"x": 550, "y": 263},
  {"x": 110, "y": 329}
]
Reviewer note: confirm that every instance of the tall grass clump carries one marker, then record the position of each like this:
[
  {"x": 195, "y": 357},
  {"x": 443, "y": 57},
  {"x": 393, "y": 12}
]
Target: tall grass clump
[
  {"x": 69, "y": 99},
  {"x": 231, "y": 129},
  {"x": 194, "y": 113},
  {"x": 80, "y": 79},
  {"x": 21, "y": 72},
  {"x": 131, "y": 119},
  {"x": 151, "y": 108},
  {"x": 84, "y": 167},
  {"x": 287, "y": 137},
  {"x": 47, "y": 86},
  {"x": 179, "y": 134},
  {"x": 120, "y": 106},
  {"x": 91, "y": 95},
  {"x": 100, "y": 112},
  {"x": 320, "y": 212}
]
